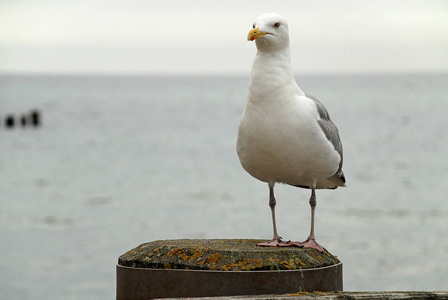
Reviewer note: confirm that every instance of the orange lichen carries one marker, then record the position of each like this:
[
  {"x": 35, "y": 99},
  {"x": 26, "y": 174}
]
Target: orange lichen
[
  {"x": 213, "y": 258},
  {"x": 301, "y": 262},
  {"x": 297, "y": 294},
  {"x": 196, "y": 254},
  {"x": 246, "y": 265},
  {"x": 175, "y": 252},
  {"x": 189, "y": 255},
  {"x": 167, "y": 266},
  {"x": 286, "y": 265}
]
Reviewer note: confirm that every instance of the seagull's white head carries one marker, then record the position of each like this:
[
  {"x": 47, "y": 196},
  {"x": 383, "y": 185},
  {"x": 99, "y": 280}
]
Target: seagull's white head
[{"x": 270, "y": 32}]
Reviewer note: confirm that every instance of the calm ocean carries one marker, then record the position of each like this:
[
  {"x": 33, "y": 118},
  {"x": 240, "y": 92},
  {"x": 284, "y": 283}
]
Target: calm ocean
[{"x": 119, "y": 161}]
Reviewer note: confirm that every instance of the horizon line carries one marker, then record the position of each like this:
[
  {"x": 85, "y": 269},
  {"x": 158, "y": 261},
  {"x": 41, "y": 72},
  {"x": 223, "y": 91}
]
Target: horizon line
[{"x": 218, "y": 74}]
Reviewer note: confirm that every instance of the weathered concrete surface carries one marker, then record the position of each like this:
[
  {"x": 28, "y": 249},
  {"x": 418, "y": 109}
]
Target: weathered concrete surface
[
  {"x": 223, "y": 255},
  {"x": 423, "y": 295}
]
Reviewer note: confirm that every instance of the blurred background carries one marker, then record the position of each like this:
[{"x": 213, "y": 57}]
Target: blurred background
[
  {"x": 139, "y": 104},
  {"x": 203, "y": 37}
]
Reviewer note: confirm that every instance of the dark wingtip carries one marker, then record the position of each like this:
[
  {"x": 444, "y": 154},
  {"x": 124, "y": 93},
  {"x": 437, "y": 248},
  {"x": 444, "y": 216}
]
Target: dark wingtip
[{"x": 342, "y": 176}]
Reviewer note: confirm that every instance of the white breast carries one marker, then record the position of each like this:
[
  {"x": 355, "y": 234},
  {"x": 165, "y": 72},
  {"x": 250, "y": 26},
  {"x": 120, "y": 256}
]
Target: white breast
[{"x": 281, "y": 141}]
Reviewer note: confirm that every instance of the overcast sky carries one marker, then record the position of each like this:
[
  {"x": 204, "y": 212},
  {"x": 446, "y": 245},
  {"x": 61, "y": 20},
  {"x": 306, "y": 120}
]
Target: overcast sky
[{"x": 209, "y": 37}]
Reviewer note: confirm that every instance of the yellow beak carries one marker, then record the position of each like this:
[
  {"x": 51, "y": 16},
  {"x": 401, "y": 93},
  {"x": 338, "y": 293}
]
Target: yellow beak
[{"x": 255, "y": 34}]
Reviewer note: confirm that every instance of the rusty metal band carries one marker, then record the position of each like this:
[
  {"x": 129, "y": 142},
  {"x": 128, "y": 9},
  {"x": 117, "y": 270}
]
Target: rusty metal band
[{"x": 141, "y": 283}]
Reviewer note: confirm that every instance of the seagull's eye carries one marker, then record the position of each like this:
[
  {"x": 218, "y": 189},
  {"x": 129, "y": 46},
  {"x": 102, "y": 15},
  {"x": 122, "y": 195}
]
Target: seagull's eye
[
  {"x": 276, "y": 25},
  {"x": 253, "y": 26}
]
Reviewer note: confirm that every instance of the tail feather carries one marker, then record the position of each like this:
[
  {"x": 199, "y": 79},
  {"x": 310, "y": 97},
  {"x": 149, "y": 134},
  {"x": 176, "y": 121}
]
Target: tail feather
[{"x": 333, "y": 182}]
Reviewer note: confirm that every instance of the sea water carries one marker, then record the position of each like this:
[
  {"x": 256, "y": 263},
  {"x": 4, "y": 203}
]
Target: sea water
[{"x": 119, "y": 161}]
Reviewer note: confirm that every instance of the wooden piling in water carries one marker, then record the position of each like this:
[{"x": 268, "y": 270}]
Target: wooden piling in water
[{"x": 31, "y": 119}]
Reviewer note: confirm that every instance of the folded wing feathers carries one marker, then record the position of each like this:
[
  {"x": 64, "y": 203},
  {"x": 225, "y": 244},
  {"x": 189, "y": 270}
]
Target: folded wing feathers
[{"x": 332, "y": 134}]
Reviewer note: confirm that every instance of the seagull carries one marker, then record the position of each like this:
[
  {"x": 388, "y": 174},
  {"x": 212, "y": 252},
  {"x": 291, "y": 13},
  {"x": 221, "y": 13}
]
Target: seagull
[{"x": 285, "y": 135}]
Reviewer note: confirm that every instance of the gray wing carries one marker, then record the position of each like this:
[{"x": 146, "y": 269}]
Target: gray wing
[{"x": 331, "y": 132}]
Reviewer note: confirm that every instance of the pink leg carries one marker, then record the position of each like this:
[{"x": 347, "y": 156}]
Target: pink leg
[
  {"x": 311, "y": 240},
  {"x": 276, "y": 240}
]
